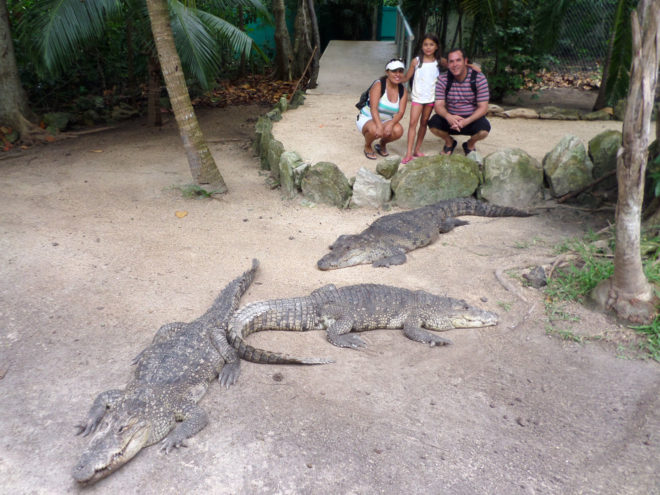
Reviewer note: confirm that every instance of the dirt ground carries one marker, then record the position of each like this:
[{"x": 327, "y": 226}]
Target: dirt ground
[{"x": 94, "y": 260}]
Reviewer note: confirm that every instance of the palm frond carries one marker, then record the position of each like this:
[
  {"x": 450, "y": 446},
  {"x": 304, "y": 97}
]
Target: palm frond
[
  {"x": 58, "y": 28},
  {"x": 255, "y": 5},
  {"x": 197, "y": 48},
  {"x": 618, "y": 75}
]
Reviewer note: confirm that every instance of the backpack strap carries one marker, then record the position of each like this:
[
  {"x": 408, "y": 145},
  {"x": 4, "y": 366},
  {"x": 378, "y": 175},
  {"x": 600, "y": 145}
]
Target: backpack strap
[{"x": 383, "y": 82}]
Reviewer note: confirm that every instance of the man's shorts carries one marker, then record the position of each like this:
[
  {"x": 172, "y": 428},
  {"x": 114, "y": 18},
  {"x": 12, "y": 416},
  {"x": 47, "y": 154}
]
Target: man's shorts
[{"x": 440, "y": 123}]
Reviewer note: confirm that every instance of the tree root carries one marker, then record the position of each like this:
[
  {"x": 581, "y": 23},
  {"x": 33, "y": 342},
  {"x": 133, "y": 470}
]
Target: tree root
[{"x": 499, "y": 275}]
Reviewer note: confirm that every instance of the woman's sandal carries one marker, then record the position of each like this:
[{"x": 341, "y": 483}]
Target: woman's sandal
[
  {"x": 448, "y": 150},
  {"x": 380, "y": 150}
]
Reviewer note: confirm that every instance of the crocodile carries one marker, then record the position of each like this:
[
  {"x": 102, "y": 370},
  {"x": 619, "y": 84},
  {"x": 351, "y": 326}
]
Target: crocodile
[
  {"x": 159, "y": 404},
  {"x": 387, "y": 240},
  {"x": 355, "y": 307}
]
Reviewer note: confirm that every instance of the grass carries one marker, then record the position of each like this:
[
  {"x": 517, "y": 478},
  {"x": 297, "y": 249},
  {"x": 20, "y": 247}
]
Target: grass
[
  {"x": 574, "y": 282},
  {"x": 191, "y": 191}
]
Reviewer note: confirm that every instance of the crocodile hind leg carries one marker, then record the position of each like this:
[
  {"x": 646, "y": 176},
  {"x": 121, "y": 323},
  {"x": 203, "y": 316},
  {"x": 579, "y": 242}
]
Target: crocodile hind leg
[
  {"x": 413, "y": 331},
  {"x": 232, "y": 368},
  {"x": 339, "y": 327}
]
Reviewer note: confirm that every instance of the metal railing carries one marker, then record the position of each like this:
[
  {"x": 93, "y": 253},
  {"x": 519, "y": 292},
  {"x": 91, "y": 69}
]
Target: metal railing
[{"x": 404, "y": 39}]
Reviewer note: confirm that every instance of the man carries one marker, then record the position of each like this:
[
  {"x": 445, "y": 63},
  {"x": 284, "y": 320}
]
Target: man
[{"x": 462, "y": 109}]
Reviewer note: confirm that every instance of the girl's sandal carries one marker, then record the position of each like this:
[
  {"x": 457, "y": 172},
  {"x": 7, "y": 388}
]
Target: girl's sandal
[{"x": 406, "y": 159}]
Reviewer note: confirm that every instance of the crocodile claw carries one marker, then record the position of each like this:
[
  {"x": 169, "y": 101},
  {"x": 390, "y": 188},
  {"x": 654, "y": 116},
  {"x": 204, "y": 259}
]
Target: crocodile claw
[
  {"x": 229, "y": 374},
  {"x": 348, "y": 340},
  {"x": 168, "y": 444}
]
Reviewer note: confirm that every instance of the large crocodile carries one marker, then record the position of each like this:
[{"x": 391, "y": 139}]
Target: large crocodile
[
  {"x": 387, "y": 240},
  {"x": 160, "y": 401},
  {"x": 354, "y": 307}
]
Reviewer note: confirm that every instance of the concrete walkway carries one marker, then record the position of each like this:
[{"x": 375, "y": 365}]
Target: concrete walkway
[{"x": 348, "y": 67}]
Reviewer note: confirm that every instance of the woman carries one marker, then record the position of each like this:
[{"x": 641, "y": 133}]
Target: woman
[{"x": 380, "y": 117}]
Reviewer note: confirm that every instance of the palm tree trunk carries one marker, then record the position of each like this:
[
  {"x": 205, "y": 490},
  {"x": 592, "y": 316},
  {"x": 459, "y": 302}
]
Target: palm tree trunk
[
  {"x": 628, "y": 292},
  {"x": 202, "y": 166},
  {"x": 283, "y": 51},
  {"x": 314, "y": 72}
]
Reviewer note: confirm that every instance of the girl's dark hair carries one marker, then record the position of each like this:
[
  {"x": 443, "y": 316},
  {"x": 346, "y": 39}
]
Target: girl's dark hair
[{"x": 438, "y": 51}]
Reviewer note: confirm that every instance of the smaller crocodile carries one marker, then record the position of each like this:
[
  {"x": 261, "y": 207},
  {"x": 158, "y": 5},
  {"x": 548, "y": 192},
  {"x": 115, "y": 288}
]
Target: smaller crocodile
[
  {"x": 353, "y": 308},
  {"x": 159, "y": 404},
  {"x": 387, "y": 240}
]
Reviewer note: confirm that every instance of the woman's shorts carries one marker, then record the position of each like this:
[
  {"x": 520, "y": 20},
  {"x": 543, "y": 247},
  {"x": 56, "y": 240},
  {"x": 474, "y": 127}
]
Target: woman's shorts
[{"x": 363, "y": 119}]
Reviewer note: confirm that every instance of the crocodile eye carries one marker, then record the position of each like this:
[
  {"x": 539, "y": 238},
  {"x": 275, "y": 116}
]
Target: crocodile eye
[{"x": 122, "y": 428}]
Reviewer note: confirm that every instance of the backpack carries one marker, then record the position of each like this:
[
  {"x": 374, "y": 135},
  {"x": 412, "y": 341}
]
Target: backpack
[
  {"x": 450, "y": 81},
  {"x": 364, "y": 97}
]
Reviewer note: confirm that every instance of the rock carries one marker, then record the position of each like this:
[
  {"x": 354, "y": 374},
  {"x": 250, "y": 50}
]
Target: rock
[
  {"x": 495, "y": 110},
  {"x": 556, "y": 113},
  {"x": 56, "y": 121},
  {"x": 275, "y": 150},
  {"x": 323, "y": 182},
  {"x": 370, "y": 189},
  {"x": 283, "y": 104},
  {"x": 289, "y": 161},
  {"x": 297, "y": 100},
  {"x": 275, "y": 115},
  {"x": 263, "y": 126},
  {"x": 597, "y": 115},
  {"x": 620, "y": 109},
  {"x": 512, "y": 178},
  {"x": 387, "y": 167},
  {"x": 429, "y": 179},
  {"x": 264, "y": 145},
  {"x": 603, "y": 149},
  {"x": 123, "y": 112},
  {"x": 536, "y": 277},
  {"x": 567, "y": 166},
  {"x": 521, "y": 113}
]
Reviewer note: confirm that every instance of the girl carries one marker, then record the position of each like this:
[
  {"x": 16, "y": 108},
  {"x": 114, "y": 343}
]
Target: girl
[{"x": 426, "y": 68}]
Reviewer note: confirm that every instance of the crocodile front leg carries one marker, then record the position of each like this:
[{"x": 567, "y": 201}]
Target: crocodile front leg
[
  {"x": 193, "y": 419},
  {"x": 413, "y": 330},
  {"x": 103, "y": 402}
]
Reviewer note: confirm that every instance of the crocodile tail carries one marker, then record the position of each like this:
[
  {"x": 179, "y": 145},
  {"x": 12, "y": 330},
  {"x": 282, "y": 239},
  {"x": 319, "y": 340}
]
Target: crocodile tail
[
  {"x": 472, "y": 206},
  {"x": 252, "y": 354}
]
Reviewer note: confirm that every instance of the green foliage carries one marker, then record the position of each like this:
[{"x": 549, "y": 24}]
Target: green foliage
[
  {"x": 69, "y": 48},
  {"x": 576, "y": 281},
  {"x": 618, "y": 72}
]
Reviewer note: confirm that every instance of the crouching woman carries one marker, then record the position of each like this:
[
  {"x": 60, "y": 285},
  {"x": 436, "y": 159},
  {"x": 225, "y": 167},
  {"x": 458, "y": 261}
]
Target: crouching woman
[{"x": 380, "y": 118}]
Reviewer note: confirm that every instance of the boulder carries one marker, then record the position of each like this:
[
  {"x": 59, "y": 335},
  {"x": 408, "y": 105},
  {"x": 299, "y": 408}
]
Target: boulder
[
  {"x": 521, "y": 113},
  {"x": 324, "y": 183},
  {"x": 430, "y": 179},
  {"x": 567, "y": 166},
  {"x": 597, "y": 115},
  {"x": 603, "y": 149},
  {"x": 512, "y": 178},
  {"x": 56, "y": 121},
  {"x": 556, "y": 113},
  {"x": 620, "y": 109},
  {"x": 370, "y": 189},
  {"x": 263, "y": 126},
  {"x": 275, "y": 150},
  {"x": 289, "y": 162},
  {"x": 387, "y": 167}
]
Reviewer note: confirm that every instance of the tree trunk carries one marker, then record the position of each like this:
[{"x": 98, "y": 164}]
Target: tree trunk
[
  {"x": 374, "y": 22},
  {"x": 628, "y": 293},
  {"x": 316, "y": 37},
  {"x": 302, "y": 44},
  {"x": 14, "y": 109},
  {"x": 202, "y": 166},
  {"x": 153, "y": 91},
  {"x": 283, "y": 51}
]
